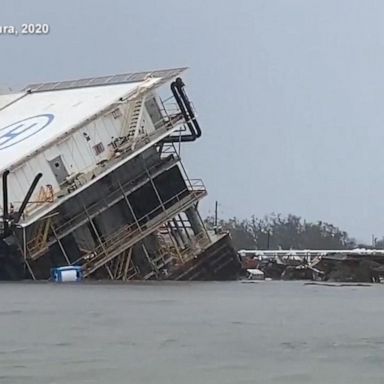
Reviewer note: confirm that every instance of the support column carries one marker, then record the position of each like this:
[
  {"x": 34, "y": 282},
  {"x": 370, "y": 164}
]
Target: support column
[
  {"x": 155, "y": 189},
  {"x": 99, "y": 239},
  {"x": 180, "y": 233},
  {"x": 174, "y": 242},
  {"x": 196, "y": 224},
  {"x": 130, "y": 207},
  {"x": 150, "y": 261},
  {"x": 127, "y": 262},
  {"x": 25, "y": 254},
  {"x": 187, "y": 179},
  {"x": 60, "y": 245},
  {"x": 30, "y": 269},
  {"x": 175, "y": 236},
  {"x": 184, "y": 227}
]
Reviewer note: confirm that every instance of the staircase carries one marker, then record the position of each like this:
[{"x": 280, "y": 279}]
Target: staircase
[
  {"x": 159, "y": 265},
  {"x": 130, "y": 129},
  {"x": 39, "y": 242},
  {"x": 122, "y": 267},
  {"x": 127, "y": 236}
]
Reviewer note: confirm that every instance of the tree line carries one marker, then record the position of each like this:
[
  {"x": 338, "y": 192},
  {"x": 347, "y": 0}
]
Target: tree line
[{"x": 276, "y": 231}]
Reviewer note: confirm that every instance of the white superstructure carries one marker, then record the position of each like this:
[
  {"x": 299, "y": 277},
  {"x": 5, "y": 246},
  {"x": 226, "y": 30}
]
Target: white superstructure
[{"x": 67, "y": 130}]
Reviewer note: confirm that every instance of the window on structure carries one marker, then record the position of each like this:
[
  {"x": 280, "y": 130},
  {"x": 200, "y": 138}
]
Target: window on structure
[
  {"x": 116, "y": 113},
  {"x": 98, "y": 148}
]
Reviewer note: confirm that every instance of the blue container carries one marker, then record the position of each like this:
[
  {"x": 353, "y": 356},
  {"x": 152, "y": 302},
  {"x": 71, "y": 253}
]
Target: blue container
[{"x": 67, "y": 274}]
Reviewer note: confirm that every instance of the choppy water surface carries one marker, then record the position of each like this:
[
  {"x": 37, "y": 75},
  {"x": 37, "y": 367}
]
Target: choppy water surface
[{"x": 269, "y": 332}]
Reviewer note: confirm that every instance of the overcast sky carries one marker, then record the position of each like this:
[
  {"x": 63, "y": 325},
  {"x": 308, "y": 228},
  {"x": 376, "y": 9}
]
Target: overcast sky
[{"x": 289, "y": 92}]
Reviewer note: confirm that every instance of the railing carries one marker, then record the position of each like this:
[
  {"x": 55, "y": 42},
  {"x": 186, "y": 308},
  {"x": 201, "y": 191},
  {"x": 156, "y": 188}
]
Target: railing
[
  {"x": 169, "y": 107},
  {"x": 170, "y": 121},
  {"x": 106, "y": 201},
  {"x": 86, "y": 174},
  {"x": 130, "y": 234},
  {"x": 196, "y": 184},
  {"x": 46, "y": 195},
  {"x": 171, "y": 114}
]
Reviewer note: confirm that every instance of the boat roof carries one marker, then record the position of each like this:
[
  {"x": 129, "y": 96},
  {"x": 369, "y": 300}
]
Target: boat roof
[{"x": 41, "y": 114}]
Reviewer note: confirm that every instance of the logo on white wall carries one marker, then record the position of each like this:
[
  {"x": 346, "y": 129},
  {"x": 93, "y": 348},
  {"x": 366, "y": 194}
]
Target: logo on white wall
[{"x": 23, "y": 129}]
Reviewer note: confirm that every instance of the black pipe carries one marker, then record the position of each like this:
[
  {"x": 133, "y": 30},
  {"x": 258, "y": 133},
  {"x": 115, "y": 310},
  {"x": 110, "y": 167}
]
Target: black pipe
[
  {"x": 192, "y": 135},
  {"x": 27, "y": 197},
  {"x": 5, "y": 202},
  {"x": 183, "y": 109},
  {"x": 187, "y": 103}
]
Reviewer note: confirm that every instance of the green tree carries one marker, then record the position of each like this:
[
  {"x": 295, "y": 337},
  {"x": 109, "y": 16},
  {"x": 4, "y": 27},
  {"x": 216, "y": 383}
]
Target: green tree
[{"x": 284, "y": 232}]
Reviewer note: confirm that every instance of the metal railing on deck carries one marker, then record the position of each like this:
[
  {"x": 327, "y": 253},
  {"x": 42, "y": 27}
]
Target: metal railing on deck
[
  {"x": 85, "y": 175},
  {"x": 171, "y": 114},
  {"x": 196, "y": 184},
  {"x": 106, "y": 201},
  {"x": 130, "y": 234}
]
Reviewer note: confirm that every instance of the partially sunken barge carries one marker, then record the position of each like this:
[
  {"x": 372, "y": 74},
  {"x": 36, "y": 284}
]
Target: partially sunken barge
[{"x": 92, "y": 177}]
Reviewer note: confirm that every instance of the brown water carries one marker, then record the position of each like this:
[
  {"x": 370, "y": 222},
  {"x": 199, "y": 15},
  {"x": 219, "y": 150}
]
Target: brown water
[{"x": 269, "y": 332}]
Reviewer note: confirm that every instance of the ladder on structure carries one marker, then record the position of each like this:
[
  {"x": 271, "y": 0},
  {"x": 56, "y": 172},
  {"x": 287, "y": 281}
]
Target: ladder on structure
[
  {"x": 40, "y": 239},
  {"x": 131, "y": 126}
]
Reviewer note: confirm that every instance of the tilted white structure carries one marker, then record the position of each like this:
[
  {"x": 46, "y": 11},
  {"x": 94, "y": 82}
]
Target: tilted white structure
[
  {"x": 92, "y": 177},
  {"x": 65, "y": 130}
]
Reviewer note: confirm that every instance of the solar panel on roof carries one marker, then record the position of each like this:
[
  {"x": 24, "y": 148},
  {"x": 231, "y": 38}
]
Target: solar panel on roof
[
  {"x": 119, "y": 78},
  {"x": 138, "y": 76},
  {"x": 104, "y": 80}
]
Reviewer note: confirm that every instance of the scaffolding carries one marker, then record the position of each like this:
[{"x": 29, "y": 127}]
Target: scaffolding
[{"x": 114, "y": 252}]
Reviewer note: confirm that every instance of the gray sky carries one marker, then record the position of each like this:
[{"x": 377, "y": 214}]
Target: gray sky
[{"x": 289, "y": 92}]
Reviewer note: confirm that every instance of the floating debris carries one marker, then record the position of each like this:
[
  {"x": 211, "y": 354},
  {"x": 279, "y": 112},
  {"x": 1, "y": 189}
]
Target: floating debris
[{"x": 359, "y": 265}]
